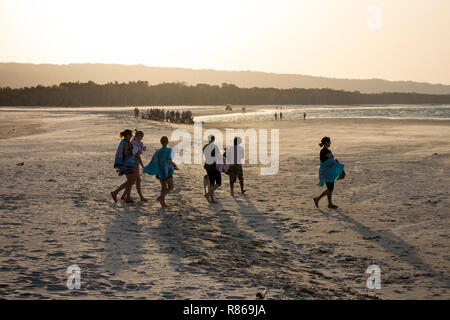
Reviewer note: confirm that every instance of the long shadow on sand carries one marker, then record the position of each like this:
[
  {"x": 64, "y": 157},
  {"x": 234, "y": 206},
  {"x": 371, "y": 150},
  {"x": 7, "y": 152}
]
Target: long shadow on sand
[
  {"x": 392, "y": 243},
  {"x": 257, "y": 220},
  {"x": 123, "y": 239}
]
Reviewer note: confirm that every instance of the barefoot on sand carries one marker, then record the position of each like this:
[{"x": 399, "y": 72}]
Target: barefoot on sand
[{"x": 316, "y": 202}]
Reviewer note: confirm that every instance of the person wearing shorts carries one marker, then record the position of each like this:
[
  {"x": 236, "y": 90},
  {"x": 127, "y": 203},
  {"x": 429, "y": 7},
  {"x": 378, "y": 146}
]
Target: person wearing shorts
[
  {"x": 211, "y": 153},
  {"x": 235, "y": 155}
]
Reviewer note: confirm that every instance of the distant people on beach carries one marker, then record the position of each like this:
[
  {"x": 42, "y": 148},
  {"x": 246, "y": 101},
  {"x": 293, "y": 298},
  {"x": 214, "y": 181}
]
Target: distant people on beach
[
  {"x": 281, "y": 115},
  {"x": 137, "y": 141},
  {"x": 234, "y": 157},
  {"x": 156, "y": 114},
  {"x": 276, "y": 116},
  {"x": 163, "y": 168},
  {"x": 304, "y": 115},
  {"x": 330, "y": 170},
  {"x": 211, "y": 152},
  {"x": 125, "y": 164}
]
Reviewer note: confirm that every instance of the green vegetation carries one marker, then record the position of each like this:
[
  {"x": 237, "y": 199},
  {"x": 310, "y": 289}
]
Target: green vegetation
[{"x": 139, "y": 93}]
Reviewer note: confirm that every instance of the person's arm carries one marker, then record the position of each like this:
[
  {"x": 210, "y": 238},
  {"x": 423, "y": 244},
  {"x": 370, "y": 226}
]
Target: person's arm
[
  {"x": 126, "y": 149},
  {"x": 139, "y": 159},
  {"x": 174, "y": 165},
  {"x": 170, "y": 160}
]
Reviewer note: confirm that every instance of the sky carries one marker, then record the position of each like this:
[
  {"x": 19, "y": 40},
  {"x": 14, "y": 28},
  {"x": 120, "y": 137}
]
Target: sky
[{"x": 388, "y": 39}]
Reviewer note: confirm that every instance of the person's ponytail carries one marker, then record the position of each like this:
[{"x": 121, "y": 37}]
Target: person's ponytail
[{"x": 125, "y": 132}]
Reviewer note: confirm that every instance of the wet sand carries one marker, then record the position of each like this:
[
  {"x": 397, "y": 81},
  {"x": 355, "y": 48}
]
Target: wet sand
[{"x": 393, "y": 212}]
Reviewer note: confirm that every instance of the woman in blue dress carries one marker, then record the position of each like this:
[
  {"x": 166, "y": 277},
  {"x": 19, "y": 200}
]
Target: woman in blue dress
[{"x": 162, "y": 167}]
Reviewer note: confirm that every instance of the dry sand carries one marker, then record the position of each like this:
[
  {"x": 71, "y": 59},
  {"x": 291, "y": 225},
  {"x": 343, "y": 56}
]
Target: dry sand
[{"x": 56, "y": 211}]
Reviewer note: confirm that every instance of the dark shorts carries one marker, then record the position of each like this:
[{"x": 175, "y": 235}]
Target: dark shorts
[
  {"x": 214, "y": 177},
  {"x": 235, "y": 171},
  {"x": 330, "y": 185}
]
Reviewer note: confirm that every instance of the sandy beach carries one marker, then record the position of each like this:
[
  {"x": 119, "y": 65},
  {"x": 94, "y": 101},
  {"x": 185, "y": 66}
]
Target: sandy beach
[{"x": 56, "y": 211}]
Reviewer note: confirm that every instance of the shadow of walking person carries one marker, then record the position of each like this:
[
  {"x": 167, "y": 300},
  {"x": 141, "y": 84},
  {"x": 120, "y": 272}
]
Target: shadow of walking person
[
  {"x": 123, "y": 239},
  {"x": 393, "y": 244}
]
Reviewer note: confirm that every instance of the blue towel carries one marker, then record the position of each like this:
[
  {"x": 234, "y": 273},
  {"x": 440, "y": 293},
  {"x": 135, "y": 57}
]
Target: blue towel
[
  {"x": 329, "y": 171},
  {"x": 124, "y": 165},
  {"x": 159, "y": 165}
]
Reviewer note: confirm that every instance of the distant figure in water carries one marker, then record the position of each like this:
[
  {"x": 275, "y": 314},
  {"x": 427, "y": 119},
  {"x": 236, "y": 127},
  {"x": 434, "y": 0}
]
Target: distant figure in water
[
  {"x": 234, "y": 156},
  {"x": 281, "y": 115},
  {"x": 304, "y": 115},
  {"x": 330, "y": 171},
  {"x": 124, "y": 164},
  {"x": 163, "y": 167},
  {"x": 276, "y": 116},
  {"x": 137, "y": 141}
]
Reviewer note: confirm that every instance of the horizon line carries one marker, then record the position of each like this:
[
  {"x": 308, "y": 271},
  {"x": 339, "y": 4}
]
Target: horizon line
[{"x": 219, "y": 70}]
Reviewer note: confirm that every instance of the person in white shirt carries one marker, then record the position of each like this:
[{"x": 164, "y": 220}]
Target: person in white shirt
[{"x": 234, "y": 157}]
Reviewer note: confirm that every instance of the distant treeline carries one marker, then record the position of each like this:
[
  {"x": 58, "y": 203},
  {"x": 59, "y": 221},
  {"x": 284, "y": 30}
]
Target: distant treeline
[{"x": 139, "y": 93}]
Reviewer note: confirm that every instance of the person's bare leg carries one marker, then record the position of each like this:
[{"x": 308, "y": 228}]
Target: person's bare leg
[
  {"x": 241, "y": 182},
  {"x": 138, "y": 188},
  {"x": 317, "y": 199},
  {"x": 169, "y": 187},
  {"x": 128, "y": 188},
  {"x": 231, "y": 186},
  {"x": 207, "y": 191},
  {"x": 330, "y": 202},
  {"x": 211, "y": 196},
  {"x": 126, "y": 194},
  {"x": 115, "y": 192},
  {"x": 163, "y": 189}
]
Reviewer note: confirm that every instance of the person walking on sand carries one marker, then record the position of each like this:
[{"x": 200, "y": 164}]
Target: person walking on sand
[
  {"x": 124, "y": 164},
  {"x": 234, "y": 157},
  {"x": 330, "y": 171},
  {"x": 137, "y": 141},
  {"x": 281, "y": 115},
  {"x": 163, "y": 167},
  {"x": 211, "y": 153},
  {"x": 304, "y": 115},
  {"x": 276, "y": 116}
]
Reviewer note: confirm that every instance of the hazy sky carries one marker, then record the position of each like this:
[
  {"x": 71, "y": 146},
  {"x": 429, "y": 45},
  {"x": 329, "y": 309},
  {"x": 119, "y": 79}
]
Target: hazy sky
[{"x": 333, "y": 38}]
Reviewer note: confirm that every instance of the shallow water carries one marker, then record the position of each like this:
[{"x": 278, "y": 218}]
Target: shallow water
[{"x": 297, "y": 112}]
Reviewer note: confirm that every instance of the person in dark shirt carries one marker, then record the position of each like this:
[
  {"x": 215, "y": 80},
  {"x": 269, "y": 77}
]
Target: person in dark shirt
[
  {"x": 234, "y": 160},
  {"x": 325, "y": 154},
  {"x": 211, "y": 152}
]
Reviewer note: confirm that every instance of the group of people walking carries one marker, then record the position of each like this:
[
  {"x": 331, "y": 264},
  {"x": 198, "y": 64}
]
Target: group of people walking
[
  {"x": 128, "y": 162},
  {"x": 156, "y": 114}
]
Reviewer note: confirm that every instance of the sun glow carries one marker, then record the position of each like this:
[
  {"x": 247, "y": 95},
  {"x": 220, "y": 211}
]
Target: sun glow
[{"x": 323, "y": 37}]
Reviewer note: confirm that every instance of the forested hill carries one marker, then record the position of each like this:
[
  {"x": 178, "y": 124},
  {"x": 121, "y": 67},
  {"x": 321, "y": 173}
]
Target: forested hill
[
  {"x": 140, "y": 93},
  {"x": 19, "y": 75}
]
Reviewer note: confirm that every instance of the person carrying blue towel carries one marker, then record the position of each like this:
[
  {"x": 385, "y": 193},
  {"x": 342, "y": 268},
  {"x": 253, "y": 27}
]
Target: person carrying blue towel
[
  {"x": 162, "y": 167},
  {"x": 124, "y": 164},
  {"x": 330, "y": 170}
]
